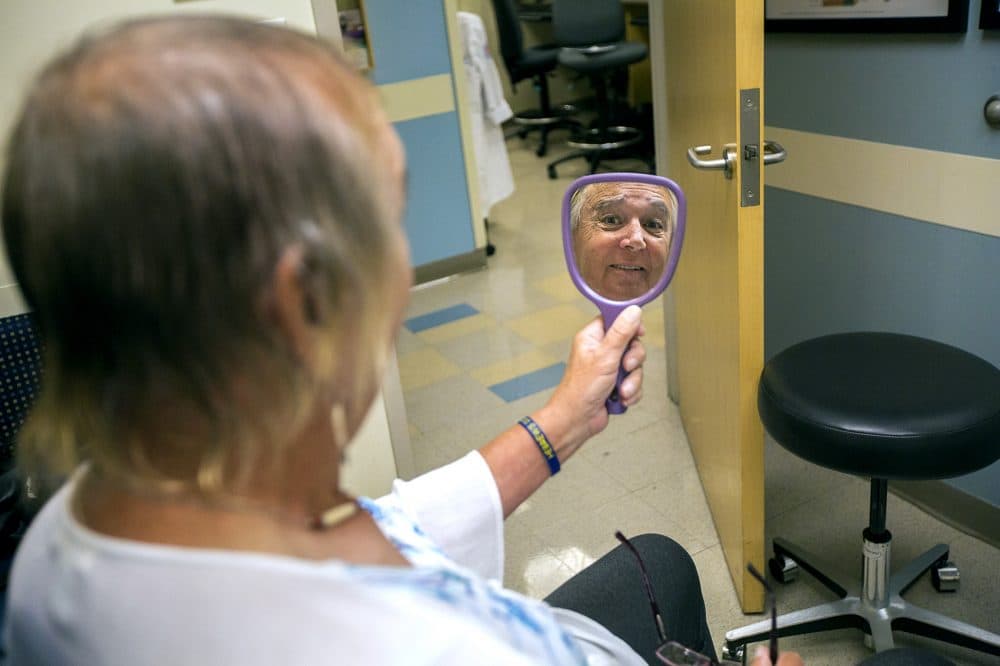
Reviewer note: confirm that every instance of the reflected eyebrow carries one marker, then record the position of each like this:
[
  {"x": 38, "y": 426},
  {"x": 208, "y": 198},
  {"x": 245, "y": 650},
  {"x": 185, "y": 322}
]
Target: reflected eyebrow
[
  {"x": 661, "y": 206},
  {"x": 611, "y": 202}
]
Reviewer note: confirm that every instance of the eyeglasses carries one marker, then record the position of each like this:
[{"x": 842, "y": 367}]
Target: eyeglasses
[{"x": 675, "y": 654}]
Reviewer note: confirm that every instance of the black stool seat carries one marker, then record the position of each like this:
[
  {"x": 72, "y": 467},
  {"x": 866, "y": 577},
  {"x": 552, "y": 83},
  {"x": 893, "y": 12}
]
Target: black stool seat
[
  {"x": 883, "y": 405},
  {"x": 533, "y": 61},
  {"x": 602, "y": 58}
]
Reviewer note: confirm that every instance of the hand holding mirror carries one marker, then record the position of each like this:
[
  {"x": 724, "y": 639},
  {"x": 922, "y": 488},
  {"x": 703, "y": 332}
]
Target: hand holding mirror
[{"x": 622, "y": 237}]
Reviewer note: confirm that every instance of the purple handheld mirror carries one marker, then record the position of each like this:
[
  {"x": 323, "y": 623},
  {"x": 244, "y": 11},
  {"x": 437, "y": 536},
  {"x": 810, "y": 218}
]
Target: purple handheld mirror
[{"x": 622, "y": 237}]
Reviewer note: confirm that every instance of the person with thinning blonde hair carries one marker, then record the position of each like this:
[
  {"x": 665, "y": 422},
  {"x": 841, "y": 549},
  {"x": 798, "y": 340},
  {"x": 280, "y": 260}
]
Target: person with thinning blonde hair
[{"x": 204, "y": 216}]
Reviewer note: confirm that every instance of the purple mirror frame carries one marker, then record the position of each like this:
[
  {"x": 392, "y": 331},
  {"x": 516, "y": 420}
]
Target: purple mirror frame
[{"x": 611, "y": 309}]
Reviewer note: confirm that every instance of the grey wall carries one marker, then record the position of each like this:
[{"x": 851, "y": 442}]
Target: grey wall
[{"x": 834, "y": 267}]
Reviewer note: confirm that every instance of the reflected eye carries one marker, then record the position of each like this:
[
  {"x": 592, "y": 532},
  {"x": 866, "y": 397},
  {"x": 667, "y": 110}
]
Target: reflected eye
[
  {"x": 610, "y": 220},
  {"x": 654, "y": 226}
]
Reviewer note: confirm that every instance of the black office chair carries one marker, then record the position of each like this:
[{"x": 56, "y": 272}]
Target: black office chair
[
  {"x": 20, "y": 371},
  {"x": 591, "y": 34},
  {"x": 533, "y": 63},
  {"x": 881, "y": 406}
]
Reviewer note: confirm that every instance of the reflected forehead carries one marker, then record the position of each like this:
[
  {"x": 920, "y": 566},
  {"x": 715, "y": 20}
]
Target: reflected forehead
[{"x": 612, "y": 195}]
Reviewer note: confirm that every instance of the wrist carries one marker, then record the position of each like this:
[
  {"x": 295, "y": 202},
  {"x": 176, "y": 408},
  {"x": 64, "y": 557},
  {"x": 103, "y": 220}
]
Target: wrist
[{"x": 565, "y": 433}]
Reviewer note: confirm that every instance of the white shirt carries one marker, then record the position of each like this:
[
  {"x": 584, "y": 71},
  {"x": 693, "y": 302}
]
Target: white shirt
[{"x": 79, "y": 597}]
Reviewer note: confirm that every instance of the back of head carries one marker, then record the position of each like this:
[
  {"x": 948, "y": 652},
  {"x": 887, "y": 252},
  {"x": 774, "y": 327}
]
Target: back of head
[{"x": 155, "y": 175}]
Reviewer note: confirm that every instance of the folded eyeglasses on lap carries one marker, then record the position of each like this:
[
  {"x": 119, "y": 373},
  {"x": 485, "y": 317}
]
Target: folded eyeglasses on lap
[{"x": 672, "y": 652}]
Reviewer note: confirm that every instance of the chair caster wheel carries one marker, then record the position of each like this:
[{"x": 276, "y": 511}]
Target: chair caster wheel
[
  {"x": 552, "y": 173},
  {"x": 541, "y": 150},
  {"x": 783, "y": 569},
  {"x": 945, "y": 576},
  {"x": 737, "y": 653}
]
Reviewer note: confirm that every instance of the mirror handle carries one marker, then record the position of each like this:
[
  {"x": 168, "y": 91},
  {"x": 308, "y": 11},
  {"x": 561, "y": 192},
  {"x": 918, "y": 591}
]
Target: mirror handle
[{"x": 614, "y": 403}]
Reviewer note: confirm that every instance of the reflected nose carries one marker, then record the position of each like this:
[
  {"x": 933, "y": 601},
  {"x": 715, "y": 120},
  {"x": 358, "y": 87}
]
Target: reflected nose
[{"x": 633, "y": 238}]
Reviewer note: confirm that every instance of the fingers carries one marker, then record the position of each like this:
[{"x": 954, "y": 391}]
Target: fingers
[
  {"x": 790, "y": 659},
  {"x": 635, "y": 355},
  {"x": 625, "y": 327},
  {"x": 630, "y": 390},
  {"x": 762, "y": 658}
]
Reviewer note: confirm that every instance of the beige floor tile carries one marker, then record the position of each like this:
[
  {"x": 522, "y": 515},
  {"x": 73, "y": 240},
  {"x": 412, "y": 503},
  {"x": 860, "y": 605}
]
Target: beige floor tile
[
  {"x": 512, "y": 367},
  {"x": 679, "y": 496},
  {"x": 549, "y": 325},
  {"x": 449, "y": 403},
  {"x": 579, "y": 488},
  {"x": 457, "y": 329},
  {"x": 590, "y": 533},
  {"x": 407, "y": 342},
  {"x": 722, "y": 607},
  {"x": 422, "y": 367},
  {"x": 542, "y": 574},
  {"x": 559, "y": 286},
  {"x": 491, "y": 345},
  {"x": 639, "y": 458},
  {"x": 791, "y": 481}
]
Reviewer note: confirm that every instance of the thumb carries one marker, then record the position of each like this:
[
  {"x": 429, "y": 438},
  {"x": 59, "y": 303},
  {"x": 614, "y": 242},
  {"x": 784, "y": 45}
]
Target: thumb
[{"x": 624, "y": 328}]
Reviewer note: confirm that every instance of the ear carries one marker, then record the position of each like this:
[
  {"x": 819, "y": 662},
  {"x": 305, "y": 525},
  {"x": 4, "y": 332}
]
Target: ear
[{"x": 291, "y": 306}]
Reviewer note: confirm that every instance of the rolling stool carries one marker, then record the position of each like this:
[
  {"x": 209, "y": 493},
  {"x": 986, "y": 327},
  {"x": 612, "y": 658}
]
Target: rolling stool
[
  {"x": 591, "y": 32},
  {"x": 534, "y": 63},
  {"x": 882, "y": 406}
]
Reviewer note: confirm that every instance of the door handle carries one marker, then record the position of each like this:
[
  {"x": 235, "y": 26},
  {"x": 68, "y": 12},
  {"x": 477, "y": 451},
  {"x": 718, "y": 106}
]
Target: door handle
[
  {"x": 774, "y": 152},
  {"x": 725, "y": 163}
]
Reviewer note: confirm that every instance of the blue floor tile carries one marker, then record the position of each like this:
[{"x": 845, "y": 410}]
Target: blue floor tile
[
  {"x": 533, "y": 382},
  {"x": 439, "y": 317}
]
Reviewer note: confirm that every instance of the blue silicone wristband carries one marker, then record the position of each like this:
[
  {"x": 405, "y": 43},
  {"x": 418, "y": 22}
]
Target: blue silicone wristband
[{"x": 543, "y": 443}]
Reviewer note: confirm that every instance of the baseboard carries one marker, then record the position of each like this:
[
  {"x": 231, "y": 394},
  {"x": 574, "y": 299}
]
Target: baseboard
[
  {"x": 947, "y": 503},
  {"x": 460, "y": 263}
]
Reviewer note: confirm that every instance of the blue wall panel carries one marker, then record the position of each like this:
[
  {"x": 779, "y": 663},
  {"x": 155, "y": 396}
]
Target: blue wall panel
[
  {"x": 830, "y": 267},
  {"x": 409, "y": 39},
  {"x": 438, "y": 214},
  {"x": 833, "y": 267},
  {"x": 924, "y": 91}
]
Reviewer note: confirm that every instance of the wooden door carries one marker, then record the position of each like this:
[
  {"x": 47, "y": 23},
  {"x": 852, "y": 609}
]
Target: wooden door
[{"x": 714, "y": 50}]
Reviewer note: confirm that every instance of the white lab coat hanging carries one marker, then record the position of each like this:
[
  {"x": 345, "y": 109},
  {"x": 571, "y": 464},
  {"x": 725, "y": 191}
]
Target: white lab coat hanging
[{"x": 488, "y": 110}]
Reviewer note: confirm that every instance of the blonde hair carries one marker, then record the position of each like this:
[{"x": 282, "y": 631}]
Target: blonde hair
[{"x": 155, "y": 176}]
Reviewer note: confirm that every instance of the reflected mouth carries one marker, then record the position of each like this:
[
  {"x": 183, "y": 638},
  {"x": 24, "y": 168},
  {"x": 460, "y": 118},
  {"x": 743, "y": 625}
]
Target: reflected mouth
[{"x": 626, "y": 267}]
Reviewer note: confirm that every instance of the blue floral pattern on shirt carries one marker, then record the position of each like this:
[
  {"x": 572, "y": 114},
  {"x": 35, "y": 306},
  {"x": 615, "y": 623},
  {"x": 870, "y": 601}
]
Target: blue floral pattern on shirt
[{"x": 524, "y": 623}]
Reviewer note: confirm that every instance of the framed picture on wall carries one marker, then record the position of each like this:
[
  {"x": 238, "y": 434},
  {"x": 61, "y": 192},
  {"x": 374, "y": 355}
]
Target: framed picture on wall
[
  {"x": 868, "y": 15},
  {"x": 989, "y": 17}
]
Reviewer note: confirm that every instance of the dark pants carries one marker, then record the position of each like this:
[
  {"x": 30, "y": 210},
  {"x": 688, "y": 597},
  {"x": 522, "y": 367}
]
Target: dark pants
[{"x": 611, "y": 592}]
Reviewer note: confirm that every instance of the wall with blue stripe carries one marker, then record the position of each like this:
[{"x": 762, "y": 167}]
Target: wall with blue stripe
[
  {"x": 409, "y": 42},
  {"x": 831, "y": 266}
]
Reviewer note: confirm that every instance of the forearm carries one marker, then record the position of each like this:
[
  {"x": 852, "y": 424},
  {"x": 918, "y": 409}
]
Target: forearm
[
  {"x": 575, "y": 412},
  {"x": 517, "y": 464}
]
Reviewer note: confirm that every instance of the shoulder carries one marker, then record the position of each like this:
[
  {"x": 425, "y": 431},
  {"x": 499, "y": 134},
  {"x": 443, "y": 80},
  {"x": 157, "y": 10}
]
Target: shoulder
[{"x": 76, "y": 593}]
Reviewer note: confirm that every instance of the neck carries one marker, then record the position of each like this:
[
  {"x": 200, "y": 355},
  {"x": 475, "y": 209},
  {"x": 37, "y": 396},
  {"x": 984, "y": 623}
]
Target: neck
[{"x": 295, "y": 482}]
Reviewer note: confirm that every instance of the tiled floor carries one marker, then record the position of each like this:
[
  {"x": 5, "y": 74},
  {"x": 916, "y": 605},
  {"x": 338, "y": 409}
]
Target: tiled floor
[{"x": 517, "y": 318}]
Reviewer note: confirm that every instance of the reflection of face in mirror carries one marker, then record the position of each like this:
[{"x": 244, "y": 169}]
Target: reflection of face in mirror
[{"x": 621, "y": 236}]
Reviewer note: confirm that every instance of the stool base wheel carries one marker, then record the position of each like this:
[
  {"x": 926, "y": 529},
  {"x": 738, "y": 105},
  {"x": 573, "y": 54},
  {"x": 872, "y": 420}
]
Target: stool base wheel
[
  {"x": 737, "y": 653},
  {"x": 783, "y": 569},
  {"x": 945, "y": 576},
  {"x": 877, "y": 615}
]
